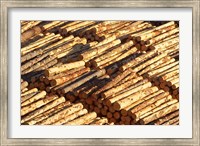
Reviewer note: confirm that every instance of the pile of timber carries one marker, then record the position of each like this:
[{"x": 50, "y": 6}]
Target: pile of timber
[{"x": 120, "y": 72}]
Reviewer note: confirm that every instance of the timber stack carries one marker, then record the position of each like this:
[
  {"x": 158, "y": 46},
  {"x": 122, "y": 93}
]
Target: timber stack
[{"x": 99, "y": 73}]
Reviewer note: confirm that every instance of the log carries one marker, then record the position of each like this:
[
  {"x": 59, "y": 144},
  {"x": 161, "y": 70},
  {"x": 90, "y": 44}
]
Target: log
[
  {"x": 119, "y": 57},
  {"x": 149, "y": 102},
  {"x": 33, "y": 61},
  {"x": 168, "y": 75},
  {"x": 162, "y": 46},
  {"x": 76, "y": 47},
  {"x": 81, "y": 120},
  {"x": 43, "y": 109},
  {"x": 85, "y": 86},
  {"x": 118, "y": 28},
  {"x": 82, "y": 81},
  {"x": 137, "y": 60},
  {"x": 47, "y": 65},
  {"x": 149, "y": 62},
  {"x": 89, "y": 91},
  {"x": 103, "y": 112},
  {"x": 59, "y": 44},
  {"x": 128, "y": 78},
  {"x": 38, "y": 119},
  {"x": 30, "y": 33},
  {"x": 173, "y": 81},
  {"x": 117, "y": 115},
  {"x": 175, "y": 86},
  {"x": 65, "y": 73},
  {"x": 176, "y": 123},
  {"x": 159, "y": 74},
  {"x": 71, "y": 97},
  {"x": 118, "y": 105},
  {"x": 48, "y": 25},
  {"x": 155, "y": 33},
  {"x": 63, "y": 79},
  {"x": 28, "y": 96},
  {"x": 155, "y": 64},
  {"x": 91, "y": 53},
  {"x": 55, "y": 70},
  {"x": 40, "y": 42},
  {"x": 79, "y": 25},
  {"x": 172, "y": 78},
  {"x": 116, "y": 89},
  {"x": 133, "y": 30},
  {"x": 31, "y": 107},
  {"x": 106, "y": 62},
  {"x": 29, "y": 25},
  {"x": 97, "y": 110},
  {"x": 44, "y": 44},
  {"x": 55, "y": 28},
  {"x": 30, "y": 55},
  {"x": 130, "y": 56},
  {"x": 158, "y": 105},
  {"x": 111, "y": 109},
  {"x": 172, "y": 121},
  {"x": 160, "y": 113},
  {"x": 112, "y": 120},
  {"x": 166, "y": 118},
  {"x": 112, "y": 83},
  {"x": 110, "y": 28},
  {"x": 34, "y": 98},
  {"x": 65, "y": 112},
  {"x": 60, "y": 87},
  {"x": 29, "y": 92},
  {"x": 24, "y": 85},
  {"x": 137, "y": 87},
  {"x": 88, "y": 122},
  {"x": 24, "y": 90},
  {"x": 109, "y": 115},
  {"x": 171, "y": 60},
  {"x": 101, "y": 121},
  {"x": 38, "y": 66},
  {"x": 65, "y": 46},
  {"x": 163, "y": 36},
  {"x": 71, "y": 117},
  {"x": 70, "y": 24},
  {"x": 115, "y": 51},
  {"x": 127, "y": 110},
  {"x": 161, "y": 69},
  {"x": 78, "y": 31},
  {"x": 160, "y": 27},
  {"x": 168, "y": 38},
  {"x": 36, "y": 77}
]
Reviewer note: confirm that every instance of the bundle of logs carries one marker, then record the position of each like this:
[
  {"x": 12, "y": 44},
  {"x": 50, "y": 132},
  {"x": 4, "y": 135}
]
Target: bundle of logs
[{"x": 99, "y": 73}]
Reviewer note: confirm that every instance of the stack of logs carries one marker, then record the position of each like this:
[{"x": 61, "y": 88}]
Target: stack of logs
[{"x": 99, "y": 73}]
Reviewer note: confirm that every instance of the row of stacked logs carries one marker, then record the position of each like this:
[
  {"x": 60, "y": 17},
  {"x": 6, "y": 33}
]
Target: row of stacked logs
[{"x": 99, "y": 73}]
